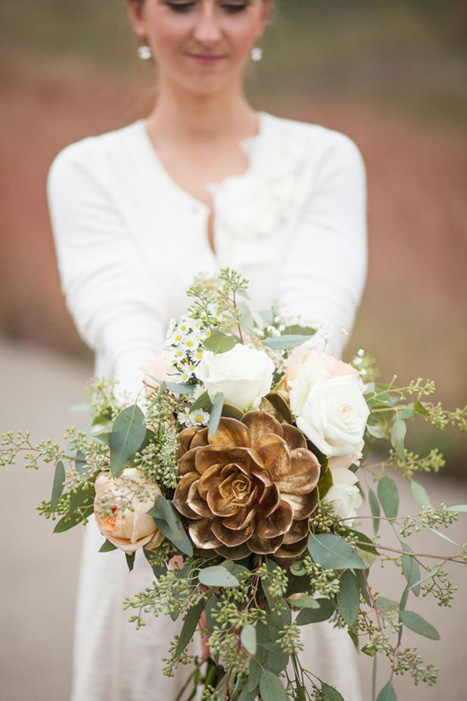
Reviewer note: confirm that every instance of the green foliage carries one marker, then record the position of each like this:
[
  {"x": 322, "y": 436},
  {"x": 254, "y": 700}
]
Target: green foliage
[
  {"x": 387, "y": 693},
  {"x": 330, "y": 693},
  {"x": 216, "y": 413},
  {"x": 219, "y": 342},
  {"x": 169, "y": 523},
  {"x": 128, "y": 434},
  {"x": 348, "y": 598},
  {"x": 418, "y": 624},
  {"x": 388, "y": 496},
  {"x": 333, "y": 552},
  {"x": 217, "y": 576}
]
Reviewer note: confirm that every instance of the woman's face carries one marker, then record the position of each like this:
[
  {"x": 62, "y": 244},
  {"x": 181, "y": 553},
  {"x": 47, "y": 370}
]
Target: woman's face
[{"x": 201, "y": 45}]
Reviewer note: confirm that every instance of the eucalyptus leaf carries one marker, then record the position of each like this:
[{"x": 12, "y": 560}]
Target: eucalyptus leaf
[
  {"x": 375, "y": 510},
  {"x": 348, "y": 597},
  {"x": 216, "y": 413},
  {"x": 418, "y": 624},
  {"x": 398, "y": 433},
  {"x": 330, "y": 693},
  {"x": 248, "y": 638},
  {"x": 428, "y": 575},
  {"x": 298, "y": 330},
  {"x": 460, "y": 508},
  {"x": 219, "y": 342},
  {"x": 363, "y": 587},
  {"x": 128, "y": 433},
  {"x": 267, "y": 316},
  {"x": 203, "y": 402},
  {"x": 254, "y": 676},
  {"x": 333, "y": 552},
  {"x": 389, "y": 604},
  {"x": 170, "y": 525},
  {"x": 365, "y": 543},
  {"x": 302, "y": 601},
  {"x": 388, "y": 496},
  {"x": 217, "y": 576},
  {"x": 246, "y": 317},
  {"x": 307, "y": 616},
  {"x": 420, "y": 494},
  {"x": 178, "y": 387},
  {"x": 285, "y": 341},
  {"x": 270, "y": 687},
  {"x": 189, "y": 626},
  {"x": 70, "y": 520},
  {"x": 376, "y": 431},
  {"x": 387, "y": 693},
  {"x": 325, "y": 483},
  {"x": 210, "y": 606},
  {"x": 411, "y": 569},
  {"x": 58, "y": 484}
]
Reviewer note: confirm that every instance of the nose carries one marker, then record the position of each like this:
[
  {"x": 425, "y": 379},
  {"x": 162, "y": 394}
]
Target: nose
[{"x": 207, "y": 30}]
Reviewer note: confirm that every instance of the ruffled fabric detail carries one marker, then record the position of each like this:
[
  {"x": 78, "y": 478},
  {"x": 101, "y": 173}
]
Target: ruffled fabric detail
[{"x": 252, "y": 209}]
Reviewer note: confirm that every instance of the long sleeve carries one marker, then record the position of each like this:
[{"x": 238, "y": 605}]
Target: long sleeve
[
  {"x": 108, "y": 289},
  {"x": 325, "y": 267}
]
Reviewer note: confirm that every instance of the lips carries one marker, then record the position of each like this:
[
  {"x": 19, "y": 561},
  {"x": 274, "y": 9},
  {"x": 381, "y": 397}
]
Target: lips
[{"x": 207, "y": 59}]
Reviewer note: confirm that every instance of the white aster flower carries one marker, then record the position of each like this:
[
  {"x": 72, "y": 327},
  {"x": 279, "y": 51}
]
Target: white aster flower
[
  {"x": 183, "y": 417},
  {"x": 199, "y": 418},
  {"x": 191, "y": 342},
  {"x": 179, "y": 354},
  {"x": 176, "y": 338},
  {"x": 197, "y": 392}
]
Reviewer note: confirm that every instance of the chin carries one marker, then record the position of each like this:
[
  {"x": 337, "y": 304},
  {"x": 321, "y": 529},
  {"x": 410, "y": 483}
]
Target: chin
[{"x": 208, "y": 87}]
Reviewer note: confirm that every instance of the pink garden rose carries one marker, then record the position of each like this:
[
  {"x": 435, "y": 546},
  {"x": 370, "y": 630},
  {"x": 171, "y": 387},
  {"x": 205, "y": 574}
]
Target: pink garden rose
[{"x": 126, "y": 529}]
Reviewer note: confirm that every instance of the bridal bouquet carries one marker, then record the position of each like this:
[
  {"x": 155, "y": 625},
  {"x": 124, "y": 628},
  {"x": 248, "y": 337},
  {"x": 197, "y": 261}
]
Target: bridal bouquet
[{"x": 239, "y": 473}]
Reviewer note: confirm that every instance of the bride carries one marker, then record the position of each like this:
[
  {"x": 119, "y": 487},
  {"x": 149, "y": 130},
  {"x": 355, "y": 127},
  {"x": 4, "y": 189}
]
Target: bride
[{"x": 204, "y": 182}]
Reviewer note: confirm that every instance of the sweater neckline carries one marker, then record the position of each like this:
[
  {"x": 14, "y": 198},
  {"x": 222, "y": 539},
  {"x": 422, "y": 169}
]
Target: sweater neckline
[{"x": 250, "y": 147}]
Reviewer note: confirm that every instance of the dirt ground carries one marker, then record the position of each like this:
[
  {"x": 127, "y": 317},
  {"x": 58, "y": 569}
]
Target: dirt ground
[{"x": 39, "y": 569}]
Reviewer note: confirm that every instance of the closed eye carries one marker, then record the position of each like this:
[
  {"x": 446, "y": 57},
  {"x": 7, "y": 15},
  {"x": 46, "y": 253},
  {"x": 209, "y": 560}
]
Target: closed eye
[{"x": 231, "y": 7}]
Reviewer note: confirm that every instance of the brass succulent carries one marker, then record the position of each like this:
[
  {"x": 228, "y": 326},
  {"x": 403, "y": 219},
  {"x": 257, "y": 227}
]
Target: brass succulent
[{"x": 249, "y": 488}]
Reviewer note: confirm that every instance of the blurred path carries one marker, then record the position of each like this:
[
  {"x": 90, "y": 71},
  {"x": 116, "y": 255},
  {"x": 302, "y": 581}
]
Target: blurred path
[{"x": 39, "y": 569}]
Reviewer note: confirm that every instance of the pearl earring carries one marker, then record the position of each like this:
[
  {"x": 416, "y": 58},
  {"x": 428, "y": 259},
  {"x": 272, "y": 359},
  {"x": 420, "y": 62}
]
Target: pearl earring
[
  {"x": 256, "y": 53},
  {"x": 144, "y": 52}
]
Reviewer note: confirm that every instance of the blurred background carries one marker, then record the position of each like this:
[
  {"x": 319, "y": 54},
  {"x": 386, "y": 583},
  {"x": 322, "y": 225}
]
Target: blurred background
[{"x": 392, "y": 74}]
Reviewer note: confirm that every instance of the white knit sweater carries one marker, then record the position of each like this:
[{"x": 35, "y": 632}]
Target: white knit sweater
[{"x": 129, "y": 241}]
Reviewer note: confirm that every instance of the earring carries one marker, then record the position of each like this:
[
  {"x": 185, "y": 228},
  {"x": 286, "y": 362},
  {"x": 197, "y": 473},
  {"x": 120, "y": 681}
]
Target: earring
[
  {"x": 256, "y": 53},
  {"x": 144, "y": 52}
]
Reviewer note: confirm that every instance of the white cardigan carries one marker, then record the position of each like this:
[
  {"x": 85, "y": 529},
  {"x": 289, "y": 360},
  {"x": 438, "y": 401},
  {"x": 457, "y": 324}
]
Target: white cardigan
[{"x": 129, "y": 241}]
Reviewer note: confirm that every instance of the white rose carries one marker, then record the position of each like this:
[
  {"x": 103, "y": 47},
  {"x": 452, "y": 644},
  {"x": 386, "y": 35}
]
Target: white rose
[
  {"x": 242, "y": 374},
  {"x": 331, "y": 411},
  {"x": 344, "y": 494}
]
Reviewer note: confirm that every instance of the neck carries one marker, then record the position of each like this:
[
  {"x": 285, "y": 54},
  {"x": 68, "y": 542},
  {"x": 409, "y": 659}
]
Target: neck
[{"x": 183, "y": 117}]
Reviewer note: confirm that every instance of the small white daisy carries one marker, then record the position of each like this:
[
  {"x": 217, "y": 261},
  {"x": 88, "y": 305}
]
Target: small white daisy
[
  {"x": 199, "y": 417},
  {"x": 191, "y": 342},
  {"x": 198, "y": 391},
  {"x": 184, "y": 417}
]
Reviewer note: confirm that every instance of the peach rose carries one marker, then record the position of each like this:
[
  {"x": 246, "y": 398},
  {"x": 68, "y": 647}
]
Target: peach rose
[
  {"x": 316, "y": 358},
  {"x": 158, "y": 368},
  {"x": 129, "y": 529}
]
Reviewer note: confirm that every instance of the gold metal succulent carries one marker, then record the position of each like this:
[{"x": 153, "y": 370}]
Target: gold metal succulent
[{"x": 249, "y": 488}]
